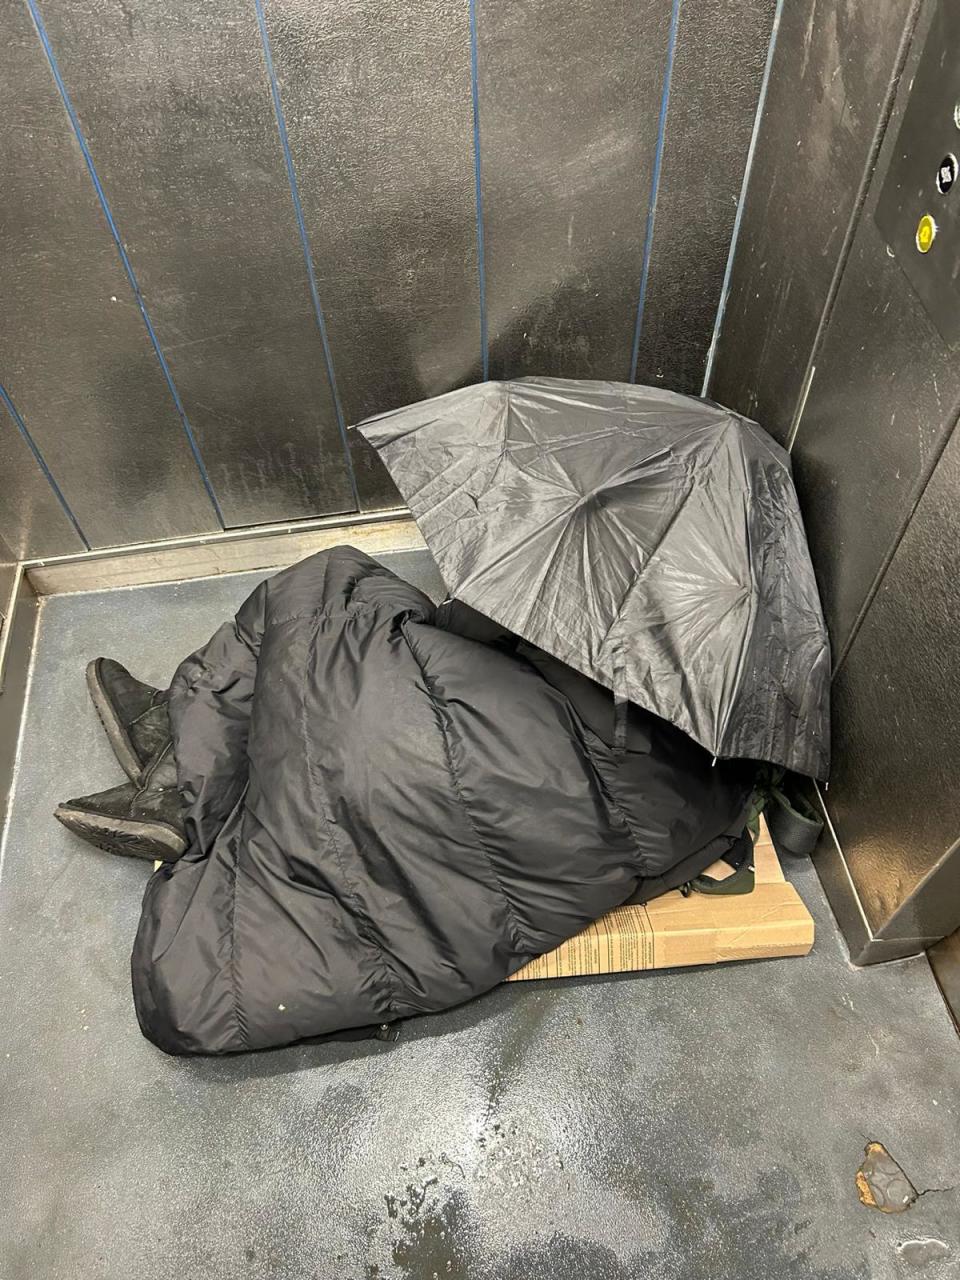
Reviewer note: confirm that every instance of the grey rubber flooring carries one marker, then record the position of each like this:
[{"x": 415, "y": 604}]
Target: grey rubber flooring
[{"x": 696, "y": 1123}]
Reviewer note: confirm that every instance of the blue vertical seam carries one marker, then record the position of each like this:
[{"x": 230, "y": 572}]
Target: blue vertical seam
[
  {"x": 735, "y": 234},
  {"x": 127, "y": 265},
  {"x": 478, "y": 188},
  {"x": 305, "y": 243},
  {"x": 34, "y": 448},
  {"x": 655, "y": 185}
]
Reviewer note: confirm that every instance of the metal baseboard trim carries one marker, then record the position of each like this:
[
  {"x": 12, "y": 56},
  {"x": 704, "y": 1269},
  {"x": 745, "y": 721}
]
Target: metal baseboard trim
[
  {"x": 865, "y": 947},
  {"x": 16, "y": 655},
  {"x": 881, "y": 950},
  {"x": 211, "y": 555},
  {"x": 12, "y": 579},
  {"x": 945, "y": 962},
  {"x": 838, "y": 884},
  {"x": 866, "y": 944}
]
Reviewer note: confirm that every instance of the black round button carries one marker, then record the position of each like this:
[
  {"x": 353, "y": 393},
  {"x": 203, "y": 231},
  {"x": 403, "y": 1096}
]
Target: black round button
[{"x": 946, "y": 174}]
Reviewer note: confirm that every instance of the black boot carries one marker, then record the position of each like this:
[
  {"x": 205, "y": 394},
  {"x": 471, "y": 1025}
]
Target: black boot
[
  {"x": 138, "y": 820},
  {"x": 133, "y": 714}
]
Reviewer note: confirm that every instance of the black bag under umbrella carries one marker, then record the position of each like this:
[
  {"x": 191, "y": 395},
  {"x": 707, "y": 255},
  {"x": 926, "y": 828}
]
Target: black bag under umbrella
[{"x": 651, "y": 540}]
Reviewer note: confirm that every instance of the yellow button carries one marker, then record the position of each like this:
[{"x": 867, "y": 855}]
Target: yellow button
[{"x": 926, "y": 233}]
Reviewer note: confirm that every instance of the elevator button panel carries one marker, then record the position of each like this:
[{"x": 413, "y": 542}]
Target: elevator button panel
[{"x": 918, "y": 212}]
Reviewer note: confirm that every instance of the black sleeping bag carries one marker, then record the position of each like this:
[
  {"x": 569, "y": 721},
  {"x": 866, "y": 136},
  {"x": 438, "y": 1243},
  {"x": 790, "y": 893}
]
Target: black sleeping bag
[{"x": 387, "y": 817}]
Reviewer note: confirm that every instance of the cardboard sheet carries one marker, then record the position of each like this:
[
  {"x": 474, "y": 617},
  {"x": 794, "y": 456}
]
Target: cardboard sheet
[{"x": 673, "y": 930}]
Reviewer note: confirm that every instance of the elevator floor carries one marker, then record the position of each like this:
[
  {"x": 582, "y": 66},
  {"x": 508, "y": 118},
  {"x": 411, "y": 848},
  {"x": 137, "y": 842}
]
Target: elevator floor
[{"x": 676, "y": 1124}]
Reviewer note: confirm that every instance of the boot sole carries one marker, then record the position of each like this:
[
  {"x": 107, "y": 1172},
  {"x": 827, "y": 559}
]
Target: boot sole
[
  {"x": 130, "y": 762},
  {"x": 150, "y": 841}
]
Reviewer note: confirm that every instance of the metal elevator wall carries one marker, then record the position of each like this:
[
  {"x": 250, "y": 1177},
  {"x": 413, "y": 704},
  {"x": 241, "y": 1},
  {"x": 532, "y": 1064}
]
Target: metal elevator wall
[
  {"x": 876, "y": 455},
  {"x": 230, "y": 230}
]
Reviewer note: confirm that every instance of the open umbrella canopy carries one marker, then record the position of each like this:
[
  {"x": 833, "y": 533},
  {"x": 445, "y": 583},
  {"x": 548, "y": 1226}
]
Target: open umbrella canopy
[{"x": 650, "y": 540}]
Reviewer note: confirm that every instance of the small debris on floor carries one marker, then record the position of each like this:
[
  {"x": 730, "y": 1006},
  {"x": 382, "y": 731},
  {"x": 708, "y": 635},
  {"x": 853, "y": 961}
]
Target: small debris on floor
[{"x": 881, "y": 1183}]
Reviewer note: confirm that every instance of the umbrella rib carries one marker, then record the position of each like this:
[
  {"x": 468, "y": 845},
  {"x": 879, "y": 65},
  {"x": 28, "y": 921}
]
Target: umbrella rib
[
  {"x": 623, "y": 476},
  {"x": 551, "y": 561},
  {"x": 655, "y": 550},
  {"x": 643, "y": 569},
  {"x": 646, "y": 565},
  {"x": 509, "y": 553},
  {"x": 748, "y": 631}
]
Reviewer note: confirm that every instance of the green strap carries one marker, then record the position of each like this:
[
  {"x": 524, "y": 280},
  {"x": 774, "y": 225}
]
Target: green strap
[{"x": 742, "y": 881}]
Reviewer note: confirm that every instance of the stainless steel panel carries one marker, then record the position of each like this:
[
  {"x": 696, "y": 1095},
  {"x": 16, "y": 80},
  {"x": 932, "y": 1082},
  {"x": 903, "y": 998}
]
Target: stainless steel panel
[
  {"x": 893, "y": 794},
  {"x": 378, "y": 110},
  {"x": 569, "y": 101},
  {"x": 879, "y": 411},
  {"x": 32, "y": 521},
  {"x": 831, "y": 72},
  {"x": 176, "y": 104},
  {"x": 923, "y": 178},
  {"x": 74, "y": 353},
  {"x": 718, "y": 67}
]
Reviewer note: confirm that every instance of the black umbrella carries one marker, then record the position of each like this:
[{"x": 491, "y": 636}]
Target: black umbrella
[{"x": 651, "y": 540}]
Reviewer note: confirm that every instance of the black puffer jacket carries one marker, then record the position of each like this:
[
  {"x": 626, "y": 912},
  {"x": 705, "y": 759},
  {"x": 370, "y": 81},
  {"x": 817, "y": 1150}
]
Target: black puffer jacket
[{"x": 387, "y": 817}]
